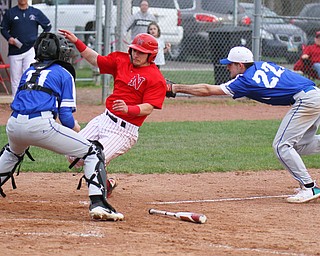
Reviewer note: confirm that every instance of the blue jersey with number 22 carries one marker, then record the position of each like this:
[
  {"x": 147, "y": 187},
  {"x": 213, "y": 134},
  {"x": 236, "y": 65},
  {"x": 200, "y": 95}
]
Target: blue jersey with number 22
[{"x": 268, "y": 83}]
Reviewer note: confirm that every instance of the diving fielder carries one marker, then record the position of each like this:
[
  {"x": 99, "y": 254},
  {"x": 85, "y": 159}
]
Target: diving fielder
[{"x": 269, "y": 83}]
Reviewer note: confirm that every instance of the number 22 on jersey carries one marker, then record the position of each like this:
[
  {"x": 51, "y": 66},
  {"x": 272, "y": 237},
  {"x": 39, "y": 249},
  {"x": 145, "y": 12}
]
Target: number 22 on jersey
[{"x": 262, "y": 75}]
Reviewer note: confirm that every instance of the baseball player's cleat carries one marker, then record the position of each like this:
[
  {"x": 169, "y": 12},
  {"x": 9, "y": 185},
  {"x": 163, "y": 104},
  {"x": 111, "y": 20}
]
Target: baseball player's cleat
[
  {"x": 304, "y": 195},
  {"x": 101, "y": 212},
  {"x": 111, "y": 185}
]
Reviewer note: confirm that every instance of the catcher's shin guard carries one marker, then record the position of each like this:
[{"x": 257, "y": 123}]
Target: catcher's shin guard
[
  {"x": 15, "y": 161},
  {"x": 95, "y": 173}
]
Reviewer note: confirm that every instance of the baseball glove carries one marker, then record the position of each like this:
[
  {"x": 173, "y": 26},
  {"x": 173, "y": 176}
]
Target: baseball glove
[{"x": 170, "y": 93}]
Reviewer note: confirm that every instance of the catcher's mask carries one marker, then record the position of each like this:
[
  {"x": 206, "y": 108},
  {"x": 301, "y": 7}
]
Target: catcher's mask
[
  {"x": 50, "y": 46},
  {"x": 145, "y": 43}
]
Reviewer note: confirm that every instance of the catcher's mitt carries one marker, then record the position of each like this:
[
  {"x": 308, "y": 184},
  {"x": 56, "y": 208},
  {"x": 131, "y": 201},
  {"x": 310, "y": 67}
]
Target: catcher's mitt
[{"x": 170, "y": 93}]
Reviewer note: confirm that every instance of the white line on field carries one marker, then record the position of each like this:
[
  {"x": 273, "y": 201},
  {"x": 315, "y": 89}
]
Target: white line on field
[
  {"x": 46, "y": 202},
  {"x": 218, "y": 200},
  {"x": 59, "y": 234},
  {"x": 260, "y": 250}
]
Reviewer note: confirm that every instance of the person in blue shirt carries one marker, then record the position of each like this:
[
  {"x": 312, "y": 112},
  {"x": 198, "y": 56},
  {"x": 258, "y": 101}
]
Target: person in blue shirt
[
  {"x": 269, "y": 83},
  {"x": 47, "y": 92},
  {"x": 20, "y": 28}
]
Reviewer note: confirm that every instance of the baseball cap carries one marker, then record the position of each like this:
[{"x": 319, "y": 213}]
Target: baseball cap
[
  {"x": 238, "y": 54},
  {"x": 317, "y": 33}
]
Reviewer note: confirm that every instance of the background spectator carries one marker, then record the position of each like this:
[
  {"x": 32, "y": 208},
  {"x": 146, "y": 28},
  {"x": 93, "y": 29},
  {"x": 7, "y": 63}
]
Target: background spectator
[
  {"x": 154, "y": 30},
  {"x": 139, "y": 21},
  {"x": 20, "y": 28},
  {"x": 310, "y": 58}
]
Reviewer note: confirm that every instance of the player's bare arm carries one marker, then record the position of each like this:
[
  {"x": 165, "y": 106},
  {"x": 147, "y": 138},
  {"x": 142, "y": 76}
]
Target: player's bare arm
[
  {"x": 76, "y": 127},
  {"x": 198, "y": 89},
  {"x": 86, "y": 52}
]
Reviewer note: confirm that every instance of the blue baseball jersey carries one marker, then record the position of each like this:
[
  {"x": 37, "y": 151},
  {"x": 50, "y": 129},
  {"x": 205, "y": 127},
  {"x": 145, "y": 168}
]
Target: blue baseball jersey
[
  {"x": 268, "y": 83},
  {"x": 23, "y": 25},
  {"x": 55, "y": 77}
]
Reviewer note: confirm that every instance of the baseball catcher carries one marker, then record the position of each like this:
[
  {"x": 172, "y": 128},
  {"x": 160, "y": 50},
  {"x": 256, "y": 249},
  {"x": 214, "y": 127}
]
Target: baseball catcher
[{"x": 46, "y": 92}]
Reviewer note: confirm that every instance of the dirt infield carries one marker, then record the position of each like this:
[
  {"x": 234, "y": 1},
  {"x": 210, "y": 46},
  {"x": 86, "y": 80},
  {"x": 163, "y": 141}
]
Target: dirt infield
[{"x": 247, "y": 213}]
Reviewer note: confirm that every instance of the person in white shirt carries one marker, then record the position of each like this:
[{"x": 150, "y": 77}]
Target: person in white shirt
[
  {"x": 154, "y": 30},
  {"x": 139, "y": 22}
]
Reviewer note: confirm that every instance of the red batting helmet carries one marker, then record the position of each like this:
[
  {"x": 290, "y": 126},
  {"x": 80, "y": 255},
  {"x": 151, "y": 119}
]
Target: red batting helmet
[{"x": 145, "y": 43}]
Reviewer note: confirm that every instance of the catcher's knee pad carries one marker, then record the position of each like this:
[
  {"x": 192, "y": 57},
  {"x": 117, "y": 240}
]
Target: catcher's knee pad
[
  {"x": 94, "y": 170},
  {"x": 15, "y": 161}
]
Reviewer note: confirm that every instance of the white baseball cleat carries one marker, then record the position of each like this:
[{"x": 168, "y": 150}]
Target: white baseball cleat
[
  {"x": 304, "y": 195},
  {"x": 103, "y": 213}
]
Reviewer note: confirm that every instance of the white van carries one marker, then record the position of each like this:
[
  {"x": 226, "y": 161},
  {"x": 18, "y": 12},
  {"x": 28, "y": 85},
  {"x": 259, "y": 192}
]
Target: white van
[{"x": 77, "y": 15}]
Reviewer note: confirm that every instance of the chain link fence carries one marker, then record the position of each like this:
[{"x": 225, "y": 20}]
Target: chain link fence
[{"x": 200, "y": 31}]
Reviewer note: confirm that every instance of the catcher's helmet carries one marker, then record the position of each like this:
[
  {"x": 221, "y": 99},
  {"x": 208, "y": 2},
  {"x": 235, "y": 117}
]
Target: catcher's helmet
[
  {"x": 50, "y": 46},
  {"x": 145, "y": 43}
]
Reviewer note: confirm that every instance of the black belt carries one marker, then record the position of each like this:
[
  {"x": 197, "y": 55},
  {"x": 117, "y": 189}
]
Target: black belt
[
  {"x": 30, "y": 116},
  {"x": 114, "y": 119}
]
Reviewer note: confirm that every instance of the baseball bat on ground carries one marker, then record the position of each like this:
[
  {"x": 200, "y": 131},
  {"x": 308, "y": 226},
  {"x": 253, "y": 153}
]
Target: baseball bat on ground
[{"x": 186, "y": 216}]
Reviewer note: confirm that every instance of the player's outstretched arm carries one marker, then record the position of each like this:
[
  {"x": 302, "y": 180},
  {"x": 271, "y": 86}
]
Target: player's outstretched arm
[
  {"x": 198, "y": 89},
  {"x": 86, "y": 52}
]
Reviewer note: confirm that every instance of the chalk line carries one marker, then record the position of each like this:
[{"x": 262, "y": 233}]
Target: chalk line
[{"x": 218, "y": 200}]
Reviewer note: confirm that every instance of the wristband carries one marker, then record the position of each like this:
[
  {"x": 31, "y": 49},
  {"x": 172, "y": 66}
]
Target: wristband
[
  {"x": 133, "y": 110},
  {"x": 172, "y": 89},
  {"x": 80, "y": 45}
]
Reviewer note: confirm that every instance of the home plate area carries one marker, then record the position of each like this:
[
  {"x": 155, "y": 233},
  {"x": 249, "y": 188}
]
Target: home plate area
[{"x": 246, "y": 215}]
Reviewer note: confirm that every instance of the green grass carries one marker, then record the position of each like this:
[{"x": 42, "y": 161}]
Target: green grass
[
  {"x": 189, "y": 76},
  {"x": 86, "y": 73},
  {"x": 180, "y": 76},
  {"x": 186, "y": 147}
]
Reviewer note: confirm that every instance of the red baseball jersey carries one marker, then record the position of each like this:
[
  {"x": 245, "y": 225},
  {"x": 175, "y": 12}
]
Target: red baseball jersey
[
  {"x": 314, "y": 52},
  {"x": 134, "y": 85}
]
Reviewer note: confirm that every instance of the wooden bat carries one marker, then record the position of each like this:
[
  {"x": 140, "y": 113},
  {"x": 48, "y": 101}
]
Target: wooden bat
[{"x": 185, "y": 216}]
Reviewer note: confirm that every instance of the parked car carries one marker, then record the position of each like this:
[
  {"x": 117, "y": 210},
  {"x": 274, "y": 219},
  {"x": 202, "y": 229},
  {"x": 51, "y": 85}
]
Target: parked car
[
  {"x": 77, "y": 15},
  {"x": 199, "y": 17},
  {"x": 306, "y": 22},
  {"x": 279, "y": 39}
]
